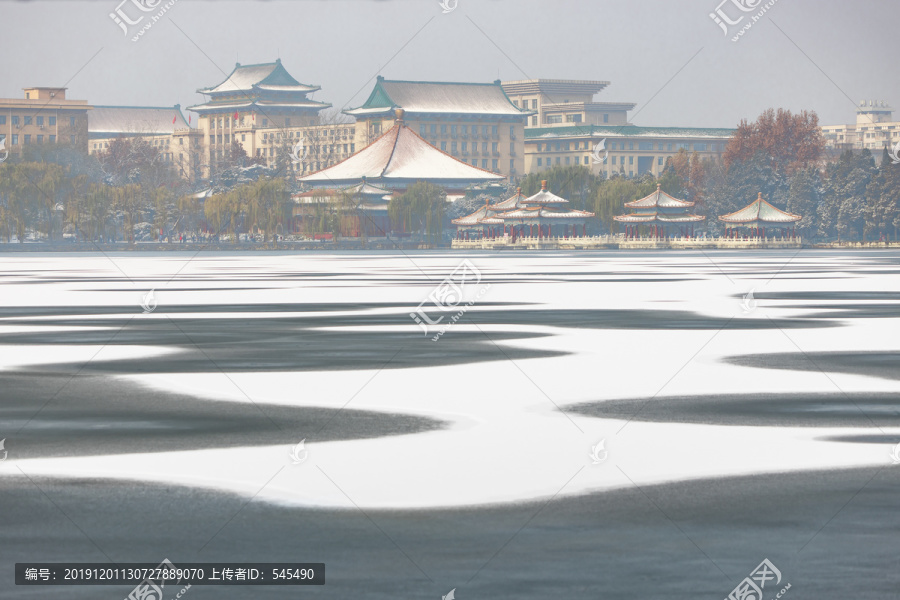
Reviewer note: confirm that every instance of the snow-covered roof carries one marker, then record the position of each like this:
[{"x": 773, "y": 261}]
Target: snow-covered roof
[
  {"x": 135, "y": 120},
  {"x": 659, "y": 199},
  {"x": 400, "y": 156},
  {"x": 270, "y": 76},
  {"x": 433, "y": 97},
  {"x": 760, "y": 210}
]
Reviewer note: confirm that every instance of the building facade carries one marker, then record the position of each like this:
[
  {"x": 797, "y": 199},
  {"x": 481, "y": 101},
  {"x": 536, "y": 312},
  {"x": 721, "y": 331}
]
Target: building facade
[
  {"x": 874, "y": 129},
  {"x": 268, "y": 113},
  {"x": 570, "y": 128},
  {"x": 44, "y": 116},
  {"x": 475, "y": 123},
  {"x": 162, "y": 127},
  {"x": 626, "y": 150},
  {"x": 563, "y": 102}
]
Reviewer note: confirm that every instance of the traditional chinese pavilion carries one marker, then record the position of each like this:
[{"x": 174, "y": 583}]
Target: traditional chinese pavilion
[
  {"x": 757, "y": 217},
  {"x": 398, "y": 159},
  {"x": 660, "y": 213},
  {"x": 363, "y": 209},
  {"x": 517, "y": 216}
]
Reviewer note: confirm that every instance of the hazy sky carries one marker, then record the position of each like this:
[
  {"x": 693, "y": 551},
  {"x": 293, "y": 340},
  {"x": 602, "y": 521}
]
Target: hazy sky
[{"x": 823, "y": 55}]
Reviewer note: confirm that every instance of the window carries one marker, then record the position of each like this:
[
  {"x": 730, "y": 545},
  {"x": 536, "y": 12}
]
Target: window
[
  {"x": 465, "y": 130},
  {"x": 474, "y": 162},
  {"x": 534, "y": 104},
  {"x": 534, "y": 121},
  {"x": 422, "y": 130},
  {"x": 465, "y": 147},
  {"x": 566, "y": 145},
  {"x": 669, "y": 147},
  {"x": 512, "y": 165},
  {"x": 2, "y": 119},
  {"x": 40, "y": 121},
  {"x": 631, "y": 145},
  {"x": 52, "y": 139},
  {"x": 453, "y": 147},
  {"x": 567, "y": 160},
  {"x": 15, "y": 139},
  {"x": 27, "y": 139},
  {"x": 484, "y": 149},
  {"x": 700, "y": 147},
  {"x": 659, "y": 161},
  {"x": 573, "y": 118},
  {"x": 52, "y": 121},
  {"x": 494, "y": 166},
  {"x": 484, "y": 131},
  {"x": 660, "y": 146},
  {"x": 557, "y": 146},
  {"x": 494, "y": 131},
  {"x": 433, "y": 129},
  {"x": 630, "y": 160},
  {"x": 444, "y": 146},
  {"x": 645, "y": 145},
  {"x": 606, "y": 118},
  {"x": 612, "y": 146},
  {"x": 453, "y": 130},
  {"x": 551, "y": 119},
  {"x": 512, "y": 132},
  {"x": 443, "y": 130},
  {"x": 614, "y": 160},
  {"x": 28, "y": 120},
  {"x": 540, "y": 162},
  {"x": 515, "y": 102},
  {"x": 557, "y": 160},
  {"x": 352, "y": 148},
  {"x": 72, "y": 124},
  {"x": 484, "y": 163},
  {"x": 494, "y": 149}
]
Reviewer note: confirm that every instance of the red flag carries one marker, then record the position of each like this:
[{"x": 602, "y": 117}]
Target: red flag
[
  {"x": 174, "y": 119},
  {"x": 189, "y": 118},
  {"x": 235, "y": 116}
]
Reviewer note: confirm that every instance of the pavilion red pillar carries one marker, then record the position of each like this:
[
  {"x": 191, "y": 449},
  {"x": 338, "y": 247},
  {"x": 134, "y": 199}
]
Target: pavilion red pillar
[{"x": 583, "y": 229}]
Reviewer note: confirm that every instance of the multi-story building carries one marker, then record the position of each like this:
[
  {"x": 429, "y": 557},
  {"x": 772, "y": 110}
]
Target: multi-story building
[
  {"x": 162, "y": 127},
  {"x": 570, "y": 128},
  {"x": 473, "y": 122},
  {"x": 626, "y": 149},
  {"x": 563, "y": 102},
  {"x": 874, "y": 129},
  {"x": 44, "y": 116},
  {"x": 267, "y": 112}
]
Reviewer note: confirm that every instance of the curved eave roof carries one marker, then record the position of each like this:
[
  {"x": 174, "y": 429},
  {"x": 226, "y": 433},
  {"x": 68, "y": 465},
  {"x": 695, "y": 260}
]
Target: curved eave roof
[
  {"x": 400, "y": 155},
  {"x": 661, "y": 199},
  {"x": 637, "y": 218},
  {"x": 244, "y": 78},
  {"x": 261, "y": 104},
  {"x": 544, "y": 197},
  {"x": 539, "y": 212},
  {"x": 510, "y": 203},
  {"x": 760, "y": 211}
]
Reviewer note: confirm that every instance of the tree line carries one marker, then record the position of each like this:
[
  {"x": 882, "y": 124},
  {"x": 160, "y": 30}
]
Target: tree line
[{"x": 129, "y": 192}]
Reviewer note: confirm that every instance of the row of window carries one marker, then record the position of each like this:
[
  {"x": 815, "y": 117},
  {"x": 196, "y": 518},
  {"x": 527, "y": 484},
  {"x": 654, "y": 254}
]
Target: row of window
[
  {"x": 642, "y": 146},
  {"x": 456, "y": 130},
  {"x": 660, "y": 161},
  {"x": 28, "y": 120},
  {"x": 455, "y": 147},
  {"x": 525, "y": 104},
  {"x": 14, "y": 139}
]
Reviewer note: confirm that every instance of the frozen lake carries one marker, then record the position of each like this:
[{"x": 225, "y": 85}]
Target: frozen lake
[{"x": 657, "y": 397}]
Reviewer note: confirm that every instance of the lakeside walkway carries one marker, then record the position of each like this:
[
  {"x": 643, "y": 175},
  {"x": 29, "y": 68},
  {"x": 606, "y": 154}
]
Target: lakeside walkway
[{"x": 621, "y": 242}]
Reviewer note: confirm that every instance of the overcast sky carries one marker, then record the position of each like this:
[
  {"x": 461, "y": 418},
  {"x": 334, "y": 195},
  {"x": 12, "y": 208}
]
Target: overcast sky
[{"x": 668, "y": 56}]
